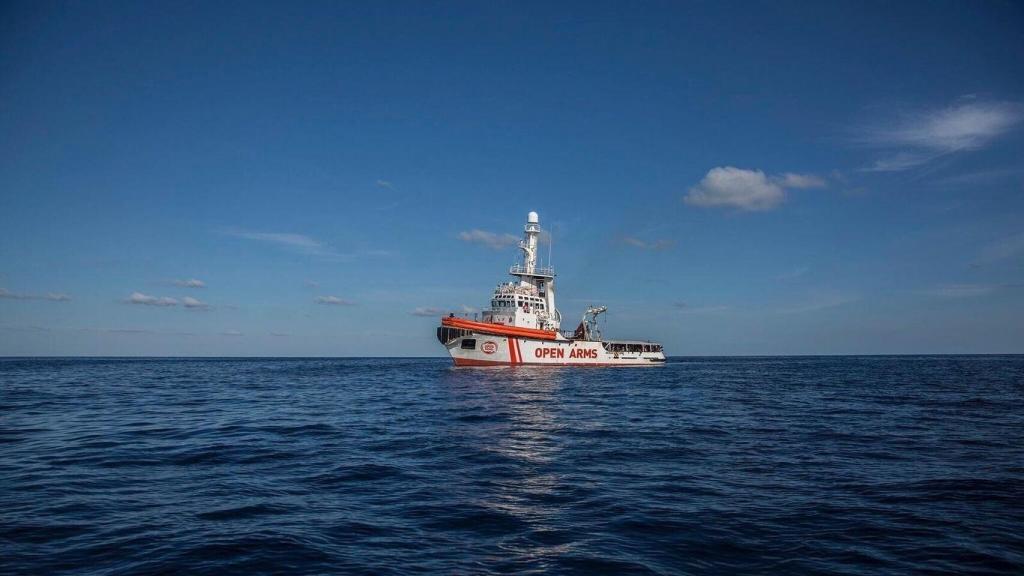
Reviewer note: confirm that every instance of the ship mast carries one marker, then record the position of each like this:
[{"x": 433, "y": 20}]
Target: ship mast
[
  {"x": 529, "y": 243},
  {"x": 533, "y": 277}
]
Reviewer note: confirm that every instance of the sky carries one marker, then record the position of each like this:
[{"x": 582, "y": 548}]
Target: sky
[{"x": 326, "y": 179}]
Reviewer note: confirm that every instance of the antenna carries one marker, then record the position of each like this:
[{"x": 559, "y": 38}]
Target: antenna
[{"x": 551, "y": 241}]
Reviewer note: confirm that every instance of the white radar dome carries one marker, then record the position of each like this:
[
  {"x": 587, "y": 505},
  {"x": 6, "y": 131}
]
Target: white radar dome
[{"x": 532, "y": 218}]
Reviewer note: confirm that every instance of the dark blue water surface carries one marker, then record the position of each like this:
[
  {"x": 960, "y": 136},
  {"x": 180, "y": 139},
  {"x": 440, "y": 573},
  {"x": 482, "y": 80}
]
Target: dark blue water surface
[{"x": 857, "y": 465}]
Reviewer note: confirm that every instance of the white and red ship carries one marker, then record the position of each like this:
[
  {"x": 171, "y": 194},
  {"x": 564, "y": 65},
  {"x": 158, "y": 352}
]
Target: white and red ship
[{"x": 522, "y": 325}]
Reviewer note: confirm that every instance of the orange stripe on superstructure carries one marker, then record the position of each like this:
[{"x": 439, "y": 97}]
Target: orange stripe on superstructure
[{"x": 499, "y": 329}]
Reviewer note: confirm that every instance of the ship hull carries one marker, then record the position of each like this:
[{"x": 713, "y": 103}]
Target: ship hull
[{"x": 481, "y": 349}]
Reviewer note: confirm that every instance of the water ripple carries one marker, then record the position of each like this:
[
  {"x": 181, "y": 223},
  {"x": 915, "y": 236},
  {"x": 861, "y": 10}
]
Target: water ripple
[{"x": 408, "y": 466}]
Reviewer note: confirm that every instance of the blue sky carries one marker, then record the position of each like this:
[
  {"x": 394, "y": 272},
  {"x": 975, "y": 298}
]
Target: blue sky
[{"x": 320, "y": 179}]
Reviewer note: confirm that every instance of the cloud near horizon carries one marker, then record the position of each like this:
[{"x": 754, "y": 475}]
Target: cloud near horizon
[
  {"x": 147, "y": 300},
  {"x": 194, "y": 304},
  {"x": 751, "y": 190},
  {"x": 427, "y": 311},
  {"x": 50, "y": 296},
  {"x": 491, "y": 240}
]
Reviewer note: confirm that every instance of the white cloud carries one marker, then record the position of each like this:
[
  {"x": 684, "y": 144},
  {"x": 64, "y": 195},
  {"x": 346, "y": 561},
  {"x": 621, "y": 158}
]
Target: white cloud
[
  {"x": 231, "y": 333},
  {"x": 921, "y": 136},
  {"x": 385, "y": 184},
  {"x": 645, "y": 245},
  {"x": 189, "y": 283},
  {"x": 51, "y": 296},
  {"x": 469, "y": 309},
  {"x": 147, "y": 300},
  {"x": 489, "y": 239},
  {"x": 332, "y": 301},
  {"x": 194, "y": 304},
  {"x": 427, "y": 312},
  {"x": 726, "y": 186}
]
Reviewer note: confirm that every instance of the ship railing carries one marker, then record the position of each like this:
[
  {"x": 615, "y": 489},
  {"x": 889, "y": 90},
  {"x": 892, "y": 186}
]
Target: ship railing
[
  {"x": 474, "y": 316},
  {"x": 547, "y": 271}
]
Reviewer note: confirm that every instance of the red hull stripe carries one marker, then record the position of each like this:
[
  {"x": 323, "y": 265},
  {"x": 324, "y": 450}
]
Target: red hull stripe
[
  {"x": 474, "y": 362},
  {"x": 498, "y": 329},
  {"x": 519, "y": 352},
  {"x": 512, "y": 350}
]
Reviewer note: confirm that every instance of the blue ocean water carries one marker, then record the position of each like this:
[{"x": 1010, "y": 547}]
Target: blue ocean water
[{"x": 842, "y": 465}]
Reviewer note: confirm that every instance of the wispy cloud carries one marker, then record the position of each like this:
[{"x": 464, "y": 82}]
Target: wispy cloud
[
  {"x": 385, "y": 184},
  {"x": 822, "y": 300},
  {"x": 137, "y": 332},
  {"x": 685, "y": 308},
  {"x": 189, "y": 283},
  {"x": 731, "y": 187},
  {"x": 231, "y": 333},
  {"x": 469, "y": 309},
  {"x": 1004, "y": 249},
  {"x": 427, "y": 312},
  {"x": 333, "y": 301},
  {"x": 299, "y": 242},
  {"x": 918, "y": 137},
  {"x": 800, "y": 181},
  {"x": 51, "y": 296},
  {"x": 304, "y": 244},
  {"x": 662, "y": 244},
  {"x": 25, "y": 328},
  {"x": 961, "y": 290},
  {"x": 489, "y": 239},
  {"x": 311, "y": 284},
  {"x": 793, "y": 274},
  {"x": 147, "y": 300}
]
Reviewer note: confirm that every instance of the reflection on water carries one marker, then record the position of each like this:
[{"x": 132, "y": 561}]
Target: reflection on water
[{"x": 519, "y": 428}]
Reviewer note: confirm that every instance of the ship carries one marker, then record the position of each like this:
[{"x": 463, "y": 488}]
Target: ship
[{"x": 522, "y": 326}]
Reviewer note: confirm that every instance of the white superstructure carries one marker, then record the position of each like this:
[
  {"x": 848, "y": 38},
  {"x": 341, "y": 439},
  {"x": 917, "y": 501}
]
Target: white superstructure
[{"x": 522, "y": 325}]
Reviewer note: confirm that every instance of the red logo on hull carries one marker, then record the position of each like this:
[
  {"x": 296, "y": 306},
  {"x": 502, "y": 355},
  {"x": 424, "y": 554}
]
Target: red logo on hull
[{"x": 489, "y": 347}]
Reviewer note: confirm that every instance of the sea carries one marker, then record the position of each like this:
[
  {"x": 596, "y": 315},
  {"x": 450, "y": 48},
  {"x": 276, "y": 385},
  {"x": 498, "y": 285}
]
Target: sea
[{"x": 766, "y": 465}]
